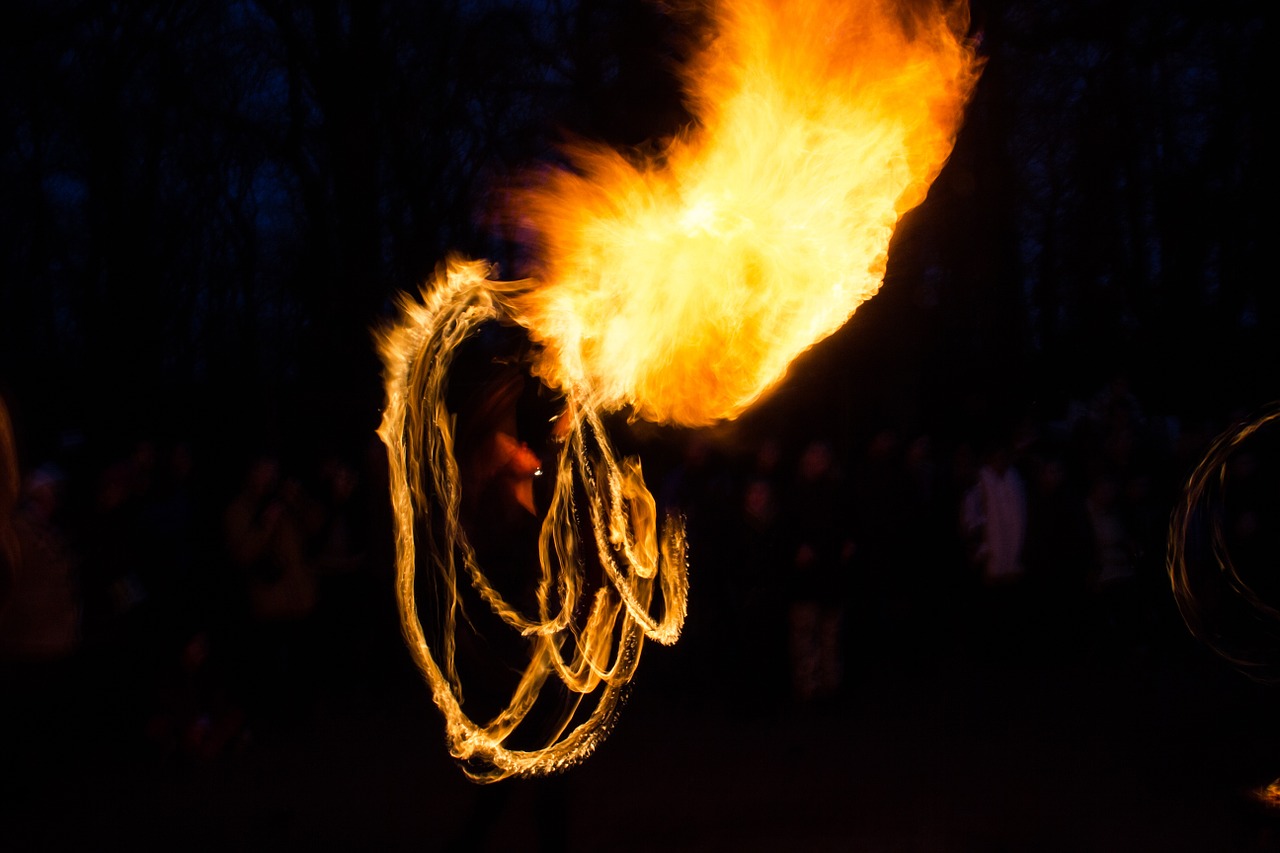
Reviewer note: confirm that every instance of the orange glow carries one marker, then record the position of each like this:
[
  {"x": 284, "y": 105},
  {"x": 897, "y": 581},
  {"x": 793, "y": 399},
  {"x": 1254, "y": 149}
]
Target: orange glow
[
  {"x": 1269, "y": 795},
  {"x": 680, "y": 289},
  {"x": 10, "y": 487},
  {"x": 683, "y": 286},
  {"x": 1219, "y": 605}
]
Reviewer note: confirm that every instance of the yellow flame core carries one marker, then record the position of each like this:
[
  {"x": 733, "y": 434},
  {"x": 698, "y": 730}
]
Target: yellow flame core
[{"x": 683, "y": 286}]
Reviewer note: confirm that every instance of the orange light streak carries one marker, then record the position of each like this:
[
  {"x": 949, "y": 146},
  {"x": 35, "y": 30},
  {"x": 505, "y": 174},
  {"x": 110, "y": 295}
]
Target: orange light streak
[{"x": 1218, "y": 603}]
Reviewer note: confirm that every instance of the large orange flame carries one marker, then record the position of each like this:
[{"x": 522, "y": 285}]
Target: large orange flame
[
  {"x": 680, "y": 287},
  {"x": 684, "y": 285}
]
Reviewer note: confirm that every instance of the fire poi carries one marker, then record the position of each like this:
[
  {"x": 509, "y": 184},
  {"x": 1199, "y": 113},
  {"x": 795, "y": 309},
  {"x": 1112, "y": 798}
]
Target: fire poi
[{"x": 675, "y": 289}]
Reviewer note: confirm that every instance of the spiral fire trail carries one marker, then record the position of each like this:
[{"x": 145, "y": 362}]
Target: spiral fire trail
[
  {"x": 1221, "y": 558},
  {"x": 1223, "y": 548}
]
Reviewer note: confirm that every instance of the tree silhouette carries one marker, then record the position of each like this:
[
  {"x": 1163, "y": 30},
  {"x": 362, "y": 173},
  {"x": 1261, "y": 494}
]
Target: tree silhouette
[{"x": 206, "y": 206}]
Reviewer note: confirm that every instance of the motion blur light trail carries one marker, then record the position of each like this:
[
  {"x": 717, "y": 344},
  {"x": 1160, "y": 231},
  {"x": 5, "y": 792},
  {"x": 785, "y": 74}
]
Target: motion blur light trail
[
  {"x": 1224, "y": 543},
  {"x": 1223, "y": 547},
  {"x": 598, "y": 650},
  {"x": 678, "y": 289}
]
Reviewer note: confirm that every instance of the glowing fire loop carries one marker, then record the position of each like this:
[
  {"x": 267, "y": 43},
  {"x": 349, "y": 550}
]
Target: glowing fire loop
[
  {"x": 1223, "y": 544},
  {"x": 677, "y": 290},
  {"x": 1218, "y": 550}
]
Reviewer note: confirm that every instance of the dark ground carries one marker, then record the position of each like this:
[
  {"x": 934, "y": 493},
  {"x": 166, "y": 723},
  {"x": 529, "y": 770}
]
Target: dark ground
[{"x": 1149, "y": 747}]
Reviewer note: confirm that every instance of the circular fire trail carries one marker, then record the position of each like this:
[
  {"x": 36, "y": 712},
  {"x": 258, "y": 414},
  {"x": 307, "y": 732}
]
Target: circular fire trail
[
  {"x": 1224, "y": 540},
  {"x": 1223, "y": 545},
  {"x": 678, "y": 289},
  {"x": 597, "y": 651}
]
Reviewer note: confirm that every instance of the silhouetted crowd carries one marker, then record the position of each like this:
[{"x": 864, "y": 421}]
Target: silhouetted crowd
[
  {"x": 1015, "y": 540},
  {"x": 159, "y": 602},
  {"x": 159, "y": 605}
]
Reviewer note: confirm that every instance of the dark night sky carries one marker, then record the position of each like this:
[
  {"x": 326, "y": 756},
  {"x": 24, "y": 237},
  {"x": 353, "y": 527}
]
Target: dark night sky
[{"x": 207, "y": 207}]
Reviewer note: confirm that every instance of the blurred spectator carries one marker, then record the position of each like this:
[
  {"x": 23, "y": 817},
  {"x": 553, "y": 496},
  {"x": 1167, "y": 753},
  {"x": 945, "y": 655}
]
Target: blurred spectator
[
  {"x": 700, "y": 490},
  {"x": 995, "y": 518},
  {"x": 40, "y": 619},
  {"x": 757, "y": 633},
  {"x": 113, "y": 539},
  {"x": 169, "y": 514},
  {"x": 883, "y": 578},
  {"x": 122, "y": 610},
  {"x": 1112, "y": 542},
  {"x": 41, "y": 724},
  {"x": 1114, "y": 585},
  {"x": 338, "y": 545},
  {"x": 265, "y": 529},
  {"x": 820, "y": 554},
  {"x": 994, "y": 521},
  {"x": 929, "y": 582},
  {"x": 1059, "y": 555},
  {"x": 345, "y": 612},
  {"x": 10, "y": 492}
]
